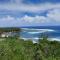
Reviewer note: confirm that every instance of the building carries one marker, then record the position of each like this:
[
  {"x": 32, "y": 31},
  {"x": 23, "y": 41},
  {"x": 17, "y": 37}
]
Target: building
[{"x": 9, "y": 32}]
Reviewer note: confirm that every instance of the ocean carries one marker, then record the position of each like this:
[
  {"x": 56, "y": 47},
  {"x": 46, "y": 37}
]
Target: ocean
[{"x": 34, "y": 33}]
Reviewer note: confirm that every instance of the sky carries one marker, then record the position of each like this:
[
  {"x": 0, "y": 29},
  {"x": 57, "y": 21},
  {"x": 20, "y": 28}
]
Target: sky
[{"x": 17, "y": 13}]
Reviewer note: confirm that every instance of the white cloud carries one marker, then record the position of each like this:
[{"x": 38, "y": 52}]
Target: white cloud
[
  {"x": 54, "y": 15},
  {"x": 7, "y": 18},
  {"x": 36, "y": 19},
  {"x": 28, "y": 7},
  {"x": 25, "y": 21},
  {"x": 52, "y": 18}
]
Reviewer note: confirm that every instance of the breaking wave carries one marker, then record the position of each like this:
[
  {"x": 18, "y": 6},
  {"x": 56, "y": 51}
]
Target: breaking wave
[
  {"x": 33, "y": 34},
  {"x": 35, "y": 40},
  {"x": 54, "y": 39},
  {"x": 35, "y": 31}
]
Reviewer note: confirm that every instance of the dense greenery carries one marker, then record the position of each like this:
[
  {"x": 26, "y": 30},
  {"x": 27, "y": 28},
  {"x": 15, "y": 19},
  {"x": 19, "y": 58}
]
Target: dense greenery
[
  {"x": 11, "y": 29},
  {"x": 13, "y": 48}
]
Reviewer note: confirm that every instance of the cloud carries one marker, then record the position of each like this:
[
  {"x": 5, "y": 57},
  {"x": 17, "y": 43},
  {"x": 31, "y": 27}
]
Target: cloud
[
  {"x": 29, "y": 8},
  {"x": 51, "y": 18},
  {"x": 9, "y": 21},
  {"x": 7, "y": 18},
  {"x": 40, "y": 1},
  {"x": 36, "y": 19},
  {"x": 54, "y": 15},
  {"x": 18, "y": 5}
]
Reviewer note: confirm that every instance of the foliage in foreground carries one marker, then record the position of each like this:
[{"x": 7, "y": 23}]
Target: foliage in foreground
[{"x": 18, "y": 49}]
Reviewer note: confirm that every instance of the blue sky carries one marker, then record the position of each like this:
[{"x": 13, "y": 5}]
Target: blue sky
[{"x": 16, "y": 13}]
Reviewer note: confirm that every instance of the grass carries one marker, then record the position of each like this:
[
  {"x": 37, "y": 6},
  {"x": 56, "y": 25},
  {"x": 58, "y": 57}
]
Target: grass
[{"x": 12, "y": 48}]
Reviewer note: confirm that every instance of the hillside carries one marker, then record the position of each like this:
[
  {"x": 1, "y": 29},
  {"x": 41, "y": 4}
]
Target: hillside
[{"x": 13, "y": 48}]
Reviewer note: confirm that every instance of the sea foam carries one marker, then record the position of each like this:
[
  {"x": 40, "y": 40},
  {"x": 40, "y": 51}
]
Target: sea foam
[{"x": 35, "y": 31}]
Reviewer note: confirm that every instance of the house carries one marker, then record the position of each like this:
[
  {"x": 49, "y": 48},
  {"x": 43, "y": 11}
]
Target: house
[{"x": 9, "y": 32}]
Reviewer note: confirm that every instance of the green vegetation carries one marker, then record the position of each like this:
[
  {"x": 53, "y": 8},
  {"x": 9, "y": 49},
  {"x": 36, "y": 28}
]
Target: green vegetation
[
  {"x": 12, "y": 48},
  {"x": 11, "y": 29}
]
